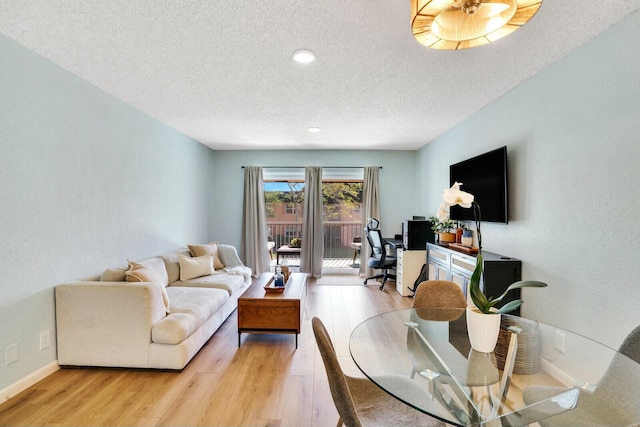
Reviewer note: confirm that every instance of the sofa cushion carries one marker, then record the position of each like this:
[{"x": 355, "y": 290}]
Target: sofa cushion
[
  {"x": 211, "y": 248},
  {"x": 155, "y": 264},
  {"x": 114, "y": 275},
  {"x": 190, "y": 309},
  {"x": 192, "y": 267},
  {"x": 140, "y": 273},
  {"x": 218, "y": 280},
  {"x": 171, "y": 263}
]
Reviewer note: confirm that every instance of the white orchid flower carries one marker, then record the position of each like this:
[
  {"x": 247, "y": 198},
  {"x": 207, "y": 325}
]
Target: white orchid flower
[
  {"x": 443, "y": 212},
  {"x": 454, "y": 196}
]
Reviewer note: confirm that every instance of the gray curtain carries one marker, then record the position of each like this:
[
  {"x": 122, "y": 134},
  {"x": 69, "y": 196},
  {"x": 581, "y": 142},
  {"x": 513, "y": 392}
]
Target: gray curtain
[
  {"x": 312, "y": 227},
  {"x": 370, "y": 209},
  {"x": 254, "y": 222}
]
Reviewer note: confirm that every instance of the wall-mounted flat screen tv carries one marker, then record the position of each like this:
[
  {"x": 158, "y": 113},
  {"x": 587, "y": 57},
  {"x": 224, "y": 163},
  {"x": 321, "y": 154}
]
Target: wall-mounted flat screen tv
[{"x": 484, "y": 176}]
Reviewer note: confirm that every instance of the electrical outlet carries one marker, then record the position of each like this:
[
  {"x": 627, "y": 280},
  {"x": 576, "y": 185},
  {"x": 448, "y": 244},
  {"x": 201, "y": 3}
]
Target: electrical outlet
[
  {"x": 11, "y": 354},
  {"x": 561, "y": 342},
  {"x": 45, "y": 339}
]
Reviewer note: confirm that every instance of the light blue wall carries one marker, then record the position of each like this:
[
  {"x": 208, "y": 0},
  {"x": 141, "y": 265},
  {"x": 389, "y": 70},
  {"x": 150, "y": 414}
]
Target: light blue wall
[
  {"x": 86, "y": 182},
  {"x": 397, "y": 183},
  {"x": 572, "y": 133}
]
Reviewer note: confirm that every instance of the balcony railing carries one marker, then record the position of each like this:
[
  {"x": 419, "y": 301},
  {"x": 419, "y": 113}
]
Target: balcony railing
[{"x": 338, "y": 236}]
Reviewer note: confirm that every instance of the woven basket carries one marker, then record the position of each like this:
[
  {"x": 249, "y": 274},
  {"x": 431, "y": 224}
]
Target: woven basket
[{"x": 528, "y": 358}]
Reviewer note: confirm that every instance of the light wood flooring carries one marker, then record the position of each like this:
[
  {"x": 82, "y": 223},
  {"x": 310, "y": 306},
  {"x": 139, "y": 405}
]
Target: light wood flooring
[{"x": 265, "y": 382}]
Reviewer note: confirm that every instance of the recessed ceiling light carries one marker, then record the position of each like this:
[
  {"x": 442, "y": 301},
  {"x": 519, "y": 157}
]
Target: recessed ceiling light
[
  {"x": 303, "y": 56},
  {"x": 314, "y": 129}
]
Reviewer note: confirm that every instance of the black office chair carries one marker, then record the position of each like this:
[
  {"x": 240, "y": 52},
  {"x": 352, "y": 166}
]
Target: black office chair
[{"x": 378, "y": 258}]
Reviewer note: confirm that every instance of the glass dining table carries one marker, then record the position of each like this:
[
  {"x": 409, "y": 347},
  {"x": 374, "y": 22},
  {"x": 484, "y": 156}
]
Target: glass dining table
[{"x": 535, "y": 372}]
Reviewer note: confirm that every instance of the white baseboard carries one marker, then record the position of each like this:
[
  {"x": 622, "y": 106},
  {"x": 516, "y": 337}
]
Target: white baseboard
[
  {"x": 28, "y": 381},
  {"x": 558, "y": 374}
]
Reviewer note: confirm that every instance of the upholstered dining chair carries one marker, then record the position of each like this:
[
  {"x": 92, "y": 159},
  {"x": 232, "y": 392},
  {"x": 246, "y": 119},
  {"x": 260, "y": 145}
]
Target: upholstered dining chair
[
  {"x": 439, "y": 294},
  {"x": 359, "y": 401},
  {"x": 616, "y": 400},
  {"x": 434, "y": 294}
]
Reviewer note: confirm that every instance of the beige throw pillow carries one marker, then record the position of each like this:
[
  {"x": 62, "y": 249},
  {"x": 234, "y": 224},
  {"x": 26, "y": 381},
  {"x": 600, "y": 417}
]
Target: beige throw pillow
[
  {"x": 211, "y": 248},
  {"x": 146, "y": 275},
  {"x": 190, "y": 268},
  {"x": 114, "y": 275},
  {"x": 155, "y": 264}
]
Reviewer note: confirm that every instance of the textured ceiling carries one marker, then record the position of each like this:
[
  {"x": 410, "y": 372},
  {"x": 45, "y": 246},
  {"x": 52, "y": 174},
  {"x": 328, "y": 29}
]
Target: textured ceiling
[{"x": 221, "y": 71}]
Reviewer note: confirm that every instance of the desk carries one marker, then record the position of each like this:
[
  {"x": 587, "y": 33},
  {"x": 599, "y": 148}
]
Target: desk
[
  {"x": 466, "y": 388},
  {"x": 394, "y": 245},
  {"x": 393, "y": 242},
  {"x": 286, "y": 250}
]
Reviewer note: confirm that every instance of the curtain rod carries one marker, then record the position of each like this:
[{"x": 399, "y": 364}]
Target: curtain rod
[{"x": 302, "y": 167}]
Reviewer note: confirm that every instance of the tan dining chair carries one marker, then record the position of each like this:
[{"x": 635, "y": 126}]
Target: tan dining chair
[
  {"x": 616, "y": 400},
  {"x": 439, "y": 294},
  {"x": 362, "y": 403},
  {"x": 434, "y": 294}
]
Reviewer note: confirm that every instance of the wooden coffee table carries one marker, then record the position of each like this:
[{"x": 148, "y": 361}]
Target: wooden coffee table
[{"x": 272, "y": 313}]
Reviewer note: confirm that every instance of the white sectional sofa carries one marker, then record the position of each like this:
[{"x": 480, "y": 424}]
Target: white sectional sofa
[{"x": 156, "y": 313}]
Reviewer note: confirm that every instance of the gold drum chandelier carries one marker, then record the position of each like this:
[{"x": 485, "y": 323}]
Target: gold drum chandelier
[{"x": 451, "y": 24}]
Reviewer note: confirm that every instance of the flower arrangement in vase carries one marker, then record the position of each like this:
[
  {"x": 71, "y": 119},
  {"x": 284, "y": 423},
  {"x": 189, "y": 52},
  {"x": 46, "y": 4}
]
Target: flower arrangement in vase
[{"x": 483, "y": 318}]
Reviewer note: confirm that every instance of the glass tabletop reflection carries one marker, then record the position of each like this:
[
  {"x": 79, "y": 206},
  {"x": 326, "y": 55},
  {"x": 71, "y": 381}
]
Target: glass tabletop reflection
[{"x": 536, "y": 371}]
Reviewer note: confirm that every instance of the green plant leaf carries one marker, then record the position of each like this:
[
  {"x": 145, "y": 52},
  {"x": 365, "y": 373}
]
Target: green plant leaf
[
  {"x": 518, "y": 285},
  {"x": 510, "y": 306},
  {"x": 478, "y": 298},
  {"x": 526, "y": 284}
]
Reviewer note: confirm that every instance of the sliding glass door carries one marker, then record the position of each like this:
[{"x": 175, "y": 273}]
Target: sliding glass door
[
  {"x": 342, "y": 218},
  {"x": 342, "y": 223}
]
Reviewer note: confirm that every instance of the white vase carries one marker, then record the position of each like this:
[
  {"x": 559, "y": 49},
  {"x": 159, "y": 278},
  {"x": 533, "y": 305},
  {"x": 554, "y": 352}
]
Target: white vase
[{"x": 483, "y": 329}]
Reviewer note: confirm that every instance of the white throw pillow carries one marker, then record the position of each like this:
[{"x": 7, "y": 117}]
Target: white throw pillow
[
  {"x": 144, "y": 274},
  {"x": 190, "y": 268}
]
